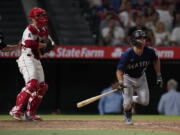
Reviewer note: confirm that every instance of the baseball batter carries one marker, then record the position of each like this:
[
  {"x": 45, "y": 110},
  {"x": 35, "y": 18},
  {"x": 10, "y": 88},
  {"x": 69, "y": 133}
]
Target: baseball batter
[
  {"x": 34, "y": 38},
  {"x": 131, "y": 73}
]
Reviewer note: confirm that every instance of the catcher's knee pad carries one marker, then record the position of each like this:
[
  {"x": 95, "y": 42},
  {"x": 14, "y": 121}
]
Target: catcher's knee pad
[
  {"x": 32, "y": 85},
  {"x": 43, "y": 87}
]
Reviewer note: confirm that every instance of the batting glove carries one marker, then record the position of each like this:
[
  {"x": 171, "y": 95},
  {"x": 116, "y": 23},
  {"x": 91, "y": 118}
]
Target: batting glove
[
  {"x": 159, "y": 80},
  {"x": 120, "y": 86}
]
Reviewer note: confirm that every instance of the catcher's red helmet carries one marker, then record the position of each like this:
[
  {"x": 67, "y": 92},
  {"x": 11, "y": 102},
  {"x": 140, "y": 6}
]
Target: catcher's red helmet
[{"x": 40, "y": 15}]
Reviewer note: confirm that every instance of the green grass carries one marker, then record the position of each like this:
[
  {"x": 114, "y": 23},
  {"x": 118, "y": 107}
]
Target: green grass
[
  {"x": 91, "y": 132},
  {"x": 82, "y": 132},
  {"x": 135, "y": 117}
]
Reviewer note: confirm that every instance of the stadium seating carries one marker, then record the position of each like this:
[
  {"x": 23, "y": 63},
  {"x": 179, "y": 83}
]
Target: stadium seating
[
  {"x": 68, "y": 24},
  {"x": 13, "y": 20}
]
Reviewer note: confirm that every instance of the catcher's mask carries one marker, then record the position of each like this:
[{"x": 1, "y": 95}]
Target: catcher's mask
[
  {"x": 136, "y": 36},
  {"x": 40, "y": 15}
]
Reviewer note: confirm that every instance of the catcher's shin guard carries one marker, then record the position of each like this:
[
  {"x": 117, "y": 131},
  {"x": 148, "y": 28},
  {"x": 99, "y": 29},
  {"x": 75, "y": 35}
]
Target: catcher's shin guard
[
  {"x": 35, "y": 100},
  {"x": 21, "y": 100},
  {"x": 33, "y": 104},
  {"x": 23, "y": 97}
]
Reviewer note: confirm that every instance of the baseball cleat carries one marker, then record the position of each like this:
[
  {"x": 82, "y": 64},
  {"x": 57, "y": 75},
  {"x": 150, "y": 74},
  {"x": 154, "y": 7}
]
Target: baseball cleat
[
  {"x": 32, "y": 117},
  {"x": 16, "y": 116},
  {"x": 128, "y": 117},
  {"x": 128, "y": 121}
]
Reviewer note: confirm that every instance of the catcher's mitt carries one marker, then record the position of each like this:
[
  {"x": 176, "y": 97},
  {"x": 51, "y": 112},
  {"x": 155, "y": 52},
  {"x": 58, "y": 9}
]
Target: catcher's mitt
[
  {"x": 48, "y": 48},
  {"x": 2, "y": 44}
]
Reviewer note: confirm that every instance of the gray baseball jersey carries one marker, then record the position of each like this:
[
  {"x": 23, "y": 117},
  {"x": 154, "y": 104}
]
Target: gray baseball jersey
[{"x": 134, "y": 67}]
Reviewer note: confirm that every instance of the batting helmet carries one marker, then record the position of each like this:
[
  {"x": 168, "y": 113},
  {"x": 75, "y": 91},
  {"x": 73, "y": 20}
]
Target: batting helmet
[
  {"x": 136, "y": 35},
  {"x": 40, "y": 15}
]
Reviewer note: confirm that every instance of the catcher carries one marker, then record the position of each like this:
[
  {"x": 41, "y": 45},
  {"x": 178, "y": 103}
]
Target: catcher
[{"x": 35, "y": 41}]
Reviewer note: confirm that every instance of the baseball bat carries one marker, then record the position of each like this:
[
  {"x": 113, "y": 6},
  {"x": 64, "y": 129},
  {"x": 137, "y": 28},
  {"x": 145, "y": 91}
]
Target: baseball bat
[{"x": 93, "y": 99}]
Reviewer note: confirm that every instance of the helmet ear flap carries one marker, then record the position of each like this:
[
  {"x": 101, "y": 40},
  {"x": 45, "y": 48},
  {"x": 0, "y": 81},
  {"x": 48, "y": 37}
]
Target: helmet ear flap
[
  {"x": 135, "y": 36},
  {"x": 133, "y": 42},
  {"x": 136, "y": 43}
]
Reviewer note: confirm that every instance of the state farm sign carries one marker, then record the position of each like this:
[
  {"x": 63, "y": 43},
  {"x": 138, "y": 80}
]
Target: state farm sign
[
  {"x": 106, "y": 52},
  {"x": 94, "y": 52},
  {"x": 80, "y": 52},
  {"x": 85, "y": 52},
  {"x": 166, "y": 53},
  {"x": 12, "y": 54}
]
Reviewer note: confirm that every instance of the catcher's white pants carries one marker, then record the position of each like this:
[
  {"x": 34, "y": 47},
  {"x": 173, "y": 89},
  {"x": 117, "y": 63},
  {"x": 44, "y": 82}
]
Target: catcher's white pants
[
  {"x": 30, "y": 68},
  {"x": 138, "y": 86}
]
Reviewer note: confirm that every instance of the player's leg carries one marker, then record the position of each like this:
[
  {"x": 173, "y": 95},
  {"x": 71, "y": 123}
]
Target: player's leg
[
  {"x": 35, "y": 99},
  {"x": 128, "y": 98},
  {"x": 142, "y": 93},
  {"x": 127, "y": 104},
  {"x": 22, "y": 98},
  {"x": 27, "y": 69}
]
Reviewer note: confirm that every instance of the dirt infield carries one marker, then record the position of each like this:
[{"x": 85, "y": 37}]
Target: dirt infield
[{"x": 90, "y": 124}]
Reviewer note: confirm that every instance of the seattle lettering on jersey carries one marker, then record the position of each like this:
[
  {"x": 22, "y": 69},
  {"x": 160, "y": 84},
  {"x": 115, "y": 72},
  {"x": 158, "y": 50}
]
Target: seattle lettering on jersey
[
  {"x": 135, "y": 65},
  {"x": 138, "y": 64}
]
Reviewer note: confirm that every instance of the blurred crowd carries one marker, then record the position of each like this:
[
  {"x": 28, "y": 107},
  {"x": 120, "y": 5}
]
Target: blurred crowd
[{"x": 112, "y": 21}]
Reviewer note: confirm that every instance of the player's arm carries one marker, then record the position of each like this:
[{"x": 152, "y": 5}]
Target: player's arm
[
  {"x": 157, "y": 66},
  {"x": 9, "y": 48},
  {"x": 119, "y": 74},
  {"x": 120, "y": 78},
  {"x": 157, "y": 69},
  {"x": 121, "y": 67},
  {"x": 120, "y": 71}
]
